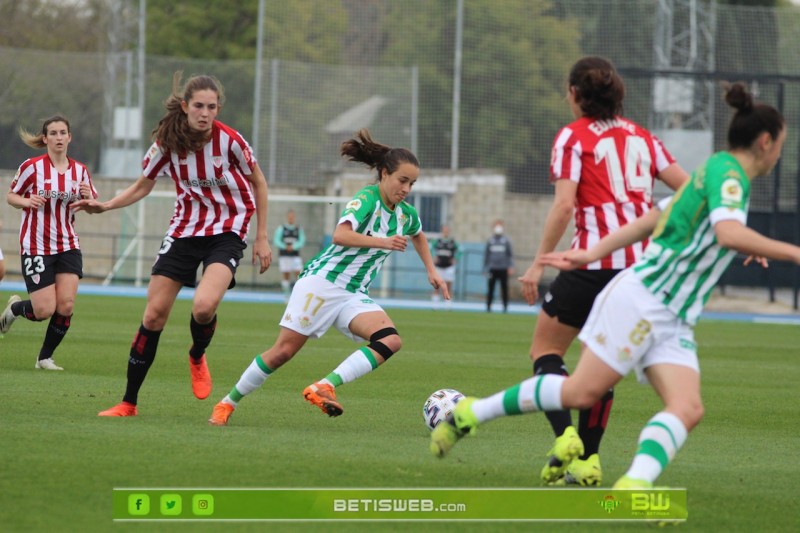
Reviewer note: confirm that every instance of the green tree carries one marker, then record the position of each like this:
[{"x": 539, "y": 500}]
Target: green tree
[{"x": 512, "y": 89}]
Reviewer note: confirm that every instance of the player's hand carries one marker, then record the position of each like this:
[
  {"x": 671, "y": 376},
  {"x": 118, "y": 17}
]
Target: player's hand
[
  {"x": 530, "y": 282},
  {"x": 758, "y": 260},
  {"x": 86, "y": 191},
  {"x": 90, "y": 206},
  {"x": 438, "y": 283},
  {"x": 566, "y": 260},
  {"x": 35, "y": 201},
  {"x": 396, "y": 243},
  {"x": 262, "y": 254}
]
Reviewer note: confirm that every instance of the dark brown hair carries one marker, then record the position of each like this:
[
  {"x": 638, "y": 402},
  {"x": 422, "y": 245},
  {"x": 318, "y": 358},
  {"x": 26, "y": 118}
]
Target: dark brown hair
[
  {"x": 362, "y": 149},
  {"x": 173, "y": 131},
  {"x": 35, "y": 140},
  {"x": 599, "y": 90},
  {"x": 751, "y": 118}
]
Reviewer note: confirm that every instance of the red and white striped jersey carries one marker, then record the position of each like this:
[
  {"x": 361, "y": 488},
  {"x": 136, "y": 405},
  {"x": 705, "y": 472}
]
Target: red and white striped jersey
[
  {"x": 615, "y": 164},
  {"x": 214, "y": 194},
  {"x": 50, "y": 229}
]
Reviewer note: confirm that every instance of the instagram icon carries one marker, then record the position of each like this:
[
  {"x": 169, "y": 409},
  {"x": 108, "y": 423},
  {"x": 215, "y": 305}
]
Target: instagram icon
[{"x": 203, "y": 504}]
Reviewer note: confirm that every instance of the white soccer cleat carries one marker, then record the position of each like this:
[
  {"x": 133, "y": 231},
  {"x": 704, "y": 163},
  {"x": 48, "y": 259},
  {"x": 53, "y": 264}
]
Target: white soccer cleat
[
  {"x": 7, "y": 318},
  {"x": 47, "y": 364}
]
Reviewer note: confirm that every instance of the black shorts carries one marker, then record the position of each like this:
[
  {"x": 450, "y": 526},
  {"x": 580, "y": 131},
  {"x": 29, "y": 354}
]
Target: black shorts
[
  {"x": 179, "y": 259},
  {"x": 39, "y": 271},
  {"x": 571, "y": 295}
]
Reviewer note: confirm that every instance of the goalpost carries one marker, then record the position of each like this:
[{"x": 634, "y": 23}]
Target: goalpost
[{"x": 143, "y": 224}]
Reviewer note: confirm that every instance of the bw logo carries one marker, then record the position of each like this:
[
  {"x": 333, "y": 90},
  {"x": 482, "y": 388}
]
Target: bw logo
[{"x": 649, "y": 502}]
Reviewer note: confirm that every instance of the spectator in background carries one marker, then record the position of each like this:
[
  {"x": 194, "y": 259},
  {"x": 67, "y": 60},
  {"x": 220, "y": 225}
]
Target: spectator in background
[
  {"x": 498, "y": 264},
  {"x": 50, "y": 254},
  {"x": 289, "y": 238},
  {"x": 445, "y": 255}
]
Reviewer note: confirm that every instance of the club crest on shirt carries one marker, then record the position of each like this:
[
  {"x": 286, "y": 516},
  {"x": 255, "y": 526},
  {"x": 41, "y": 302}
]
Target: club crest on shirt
[
  {"x": 402, "y": 219},
  {"x": 217, "y": 160}
]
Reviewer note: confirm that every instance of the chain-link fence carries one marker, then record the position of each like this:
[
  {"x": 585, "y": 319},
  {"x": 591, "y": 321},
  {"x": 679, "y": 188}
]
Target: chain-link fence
[{"x": 405, "y": 76}]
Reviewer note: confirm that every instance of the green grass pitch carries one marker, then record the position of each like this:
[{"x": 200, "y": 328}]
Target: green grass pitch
[{"x": 60, "y": 460}]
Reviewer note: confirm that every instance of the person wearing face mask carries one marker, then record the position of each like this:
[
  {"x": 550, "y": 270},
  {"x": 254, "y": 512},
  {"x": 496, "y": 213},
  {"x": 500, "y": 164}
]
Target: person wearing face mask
[{"x": 498, "y": 264}]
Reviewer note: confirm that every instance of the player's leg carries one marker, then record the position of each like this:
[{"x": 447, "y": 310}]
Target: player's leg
[
  {"x": 288, "y": 343},
  {"x": 217, "y": 277},
  {"x": 66, "y": 287},
  {"x": 368, "y": 321},
  {"x": 665, "y": 433},
  {"x": 551, "y": 339},
  {"x": 161, "y": 294},
  {"x": 39, "y": 274},
  {"x": 548, "y": 392}
]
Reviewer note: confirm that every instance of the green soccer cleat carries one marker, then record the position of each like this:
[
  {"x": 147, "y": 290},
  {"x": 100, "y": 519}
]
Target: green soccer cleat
[
  {"x": 465, "y": 420},
  {"x": 584, "y": 472},
  {"x": 626, "y": 482},
  {"x": 567, "y": 448},
  {"x": 448, "y": 432}
]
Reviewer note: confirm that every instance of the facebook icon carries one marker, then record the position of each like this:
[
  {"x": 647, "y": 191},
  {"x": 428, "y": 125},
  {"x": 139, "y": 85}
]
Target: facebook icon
[{"x": 138, "y": 504}]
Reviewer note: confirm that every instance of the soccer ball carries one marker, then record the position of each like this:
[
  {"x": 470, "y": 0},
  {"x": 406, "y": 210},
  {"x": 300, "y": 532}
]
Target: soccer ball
[{"x": 439, "y": 406}]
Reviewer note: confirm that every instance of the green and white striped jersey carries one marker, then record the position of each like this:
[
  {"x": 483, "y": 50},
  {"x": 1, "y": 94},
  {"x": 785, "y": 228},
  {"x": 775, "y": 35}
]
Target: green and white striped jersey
[
  {"x": 684, "y": 261},
  {"x": 354, "y": 269}
]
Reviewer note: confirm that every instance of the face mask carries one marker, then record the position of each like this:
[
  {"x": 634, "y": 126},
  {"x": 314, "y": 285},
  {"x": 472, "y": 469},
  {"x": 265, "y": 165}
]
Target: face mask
[{"x": 498, "y": 230}]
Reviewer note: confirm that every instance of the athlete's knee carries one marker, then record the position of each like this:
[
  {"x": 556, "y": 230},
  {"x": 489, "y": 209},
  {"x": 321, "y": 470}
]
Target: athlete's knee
[
  {"x": 44, "y": 312},
  {"x": 575, "y": 396},
  {"x": 385, "y": 342},
  {"x": 689, "y": 411},
  {"x": 204, "y": 309}
]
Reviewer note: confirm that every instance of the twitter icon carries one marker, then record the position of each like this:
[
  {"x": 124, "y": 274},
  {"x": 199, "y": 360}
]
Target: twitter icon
[{"x": 171, "y": 504}]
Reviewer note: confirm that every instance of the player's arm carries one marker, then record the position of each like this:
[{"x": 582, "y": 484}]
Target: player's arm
[
  {"x": 262, "y": 253},
  {"x": 556, "y": 223},
  {"x": 674, "y": 176},
  {"x": 138, "y": 190},
  {"x": 734, "y": 235},
  {"x": 639, "y": 229},
  {"x": 20, "y": 202},
  {"x": 420, "y": 242},
  {"x": 345, "y": 235}
]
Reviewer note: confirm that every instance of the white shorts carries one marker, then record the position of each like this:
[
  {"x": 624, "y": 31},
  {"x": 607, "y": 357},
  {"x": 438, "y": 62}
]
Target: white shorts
[
  {"x": 290, "y": 263},
  {"x": 316, "y": 304},
  {"x": 448, "y": 273},
  {"x": 630, "y": 329}
]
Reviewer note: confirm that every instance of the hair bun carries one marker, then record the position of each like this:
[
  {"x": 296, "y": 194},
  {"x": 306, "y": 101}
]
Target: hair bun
[{"x": 738, "y": 97}]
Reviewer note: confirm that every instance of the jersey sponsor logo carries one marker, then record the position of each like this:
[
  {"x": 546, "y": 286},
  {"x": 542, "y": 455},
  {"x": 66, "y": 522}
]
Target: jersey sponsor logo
[
  {"x": 60, "y": 195},
  {"x": 212, "y": 182},
  {"x": 732, "y": 192}
]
